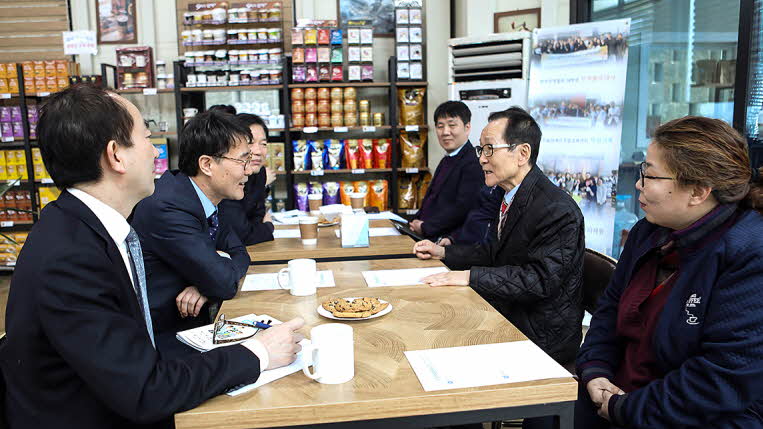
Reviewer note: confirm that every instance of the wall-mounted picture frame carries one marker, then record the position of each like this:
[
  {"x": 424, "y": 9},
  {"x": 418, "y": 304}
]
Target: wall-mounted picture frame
[
  {"x": 116, "y": 21},
  {"x": 517, "y": 20},
  {"x": 382, "y": 12}
]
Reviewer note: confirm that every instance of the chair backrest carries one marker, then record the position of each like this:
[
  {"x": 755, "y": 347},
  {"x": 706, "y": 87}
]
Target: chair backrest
[{"x": 597, "y": 270}]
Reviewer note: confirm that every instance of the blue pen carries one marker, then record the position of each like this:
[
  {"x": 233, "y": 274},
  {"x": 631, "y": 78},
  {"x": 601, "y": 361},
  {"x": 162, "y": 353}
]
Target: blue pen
[{"x": 262, "y": 325}]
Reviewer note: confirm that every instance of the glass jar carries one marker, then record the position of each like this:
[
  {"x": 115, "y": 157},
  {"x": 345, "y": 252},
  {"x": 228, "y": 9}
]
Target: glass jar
[
  {"x": 297, "y": 94},
  {"x": 365, "y": 119},
  {"x": 336, "y": 94},
  {"x": 298, "y": 120},
  {"x": 350, "y": 106},
  {"x": 310, "y": 106},
  {"x": 351, "y": 119},
  {"x": 323, "y": 93},
  {"x": 297, "y": 106},
  {"x": 310, "y": 94},
  {"x": 350, "y": 92},
  {"x": 324, "y": 120},
  {"x": 336, "y": 106},
  {"x": 379, "y": 119},
  {"x": 324, "y": 106},
  {"x": 311, "y": 120},
  {"x": 364, "y": 106},
  {"x": 337, "y": 120}
]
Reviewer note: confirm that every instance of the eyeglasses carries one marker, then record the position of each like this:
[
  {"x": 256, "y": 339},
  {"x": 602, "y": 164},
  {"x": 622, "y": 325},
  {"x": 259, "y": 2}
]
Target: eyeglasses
[
  {"x": 246, "y": 163},
  {"x": 642, "y": 171},
  {"x": 220, "y": 335},
  {"x": 489, "y": 148}
]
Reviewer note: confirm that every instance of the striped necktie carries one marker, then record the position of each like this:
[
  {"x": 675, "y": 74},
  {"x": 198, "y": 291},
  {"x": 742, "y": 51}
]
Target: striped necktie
[
  {"x": 502, "y": 219},
  {"x": 135, "y": 254}
]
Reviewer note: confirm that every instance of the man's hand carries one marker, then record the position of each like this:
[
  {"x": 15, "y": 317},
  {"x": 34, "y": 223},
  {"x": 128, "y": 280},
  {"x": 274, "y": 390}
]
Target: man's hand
[
  {"x": 600, "y": 387},
  {"x": 270, "y": 176},
  {"x": 190, "y": 301},
  {"x": 427, "y": 250},
  {"x": 444, "y": 242},
  {"x": 451, "y": 278},
  {"x": 604, "y": 409},
  {"x": 267, "y": 218},
  {"x": 416, "y": 226},
  {"x": 281, "y": 342}
]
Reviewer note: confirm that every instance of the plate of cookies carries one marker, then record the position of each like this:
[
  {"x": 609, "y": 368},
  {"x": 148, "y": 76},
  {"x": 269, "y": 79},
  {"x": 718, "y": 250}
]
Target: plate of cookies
[{"x": 354, "y": 308}]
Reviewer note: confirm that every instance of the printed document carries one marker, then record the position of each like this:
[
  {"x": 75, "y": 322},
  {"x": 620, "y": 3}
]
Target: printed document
[
  {"x": 269, "y": 281},
  {"x": 376, "y": 232},
  {"x": 405, "y": 277}
]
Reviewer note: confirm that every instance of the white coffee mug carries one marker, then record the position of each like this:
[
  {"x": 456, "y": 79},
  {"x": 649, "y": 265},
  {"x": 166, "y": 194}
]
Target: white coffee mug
[
  {"x": 140, "y": 61},
  {"x": 302, "y": 277},
  {"x": 333, "y": 354},
  {"x": 190, "y": 112}
]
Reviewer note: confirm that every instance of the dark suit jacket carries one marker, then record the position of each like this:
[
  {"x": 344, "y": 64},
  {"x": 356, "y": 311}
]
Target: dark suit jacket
[
  {"x": 245, "y": 216},
  {"x": 77, "y": 353},
  {"x": 533, "y": 275},
  {"x": 480, "y": 219},
  {"x": 457, "y": 195},
  {"x": 178, "y": 252}
]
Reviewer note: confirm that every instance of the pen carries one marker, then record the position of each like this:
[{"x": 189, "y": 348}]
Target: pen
[{"x": 262, "y": 325}]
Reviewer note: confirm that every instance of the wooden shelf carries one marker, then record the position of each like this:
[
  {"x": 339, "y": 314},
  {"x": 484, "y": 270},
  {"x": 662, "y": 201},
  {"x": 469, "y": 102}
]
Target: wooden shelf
[
  {"x": 301, "y": 129},
  {"x": 140, "y": 91},
  {"x": 421, "y": 127},
  {"x": 340, "y": 84},
  {"x": 232, "y": 88},
  {"x": 412, "y": 83},
  {"x": 345, "y": 171}
]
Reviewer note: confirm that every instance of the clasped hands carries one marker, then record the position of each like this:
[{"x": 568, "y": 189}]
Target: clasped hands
[{"x": 600, "y": 390}]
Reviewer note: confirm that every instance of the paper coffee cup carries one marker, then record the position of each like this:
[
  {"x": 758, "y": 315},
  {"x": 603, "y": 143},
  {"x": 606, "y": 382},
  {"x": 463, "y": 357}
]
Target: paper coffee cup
[
  {"x": 308, "y": 230},
  {"x": 357, "y": 200},
  {"x": 315, "y": 201}
]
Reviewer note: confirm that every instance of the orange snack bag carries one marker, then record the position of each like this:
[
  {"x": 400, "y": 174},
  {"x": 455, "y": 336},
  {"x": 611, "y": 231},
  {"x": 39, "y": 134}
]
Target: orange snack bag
[
  {"x": 382, "y": 153},
  {"x": 362, "y": 187},
  {"x": 367, "y": 151},
  {"x": 345, "y": 189},
  {"x": 379, "y": 194}
]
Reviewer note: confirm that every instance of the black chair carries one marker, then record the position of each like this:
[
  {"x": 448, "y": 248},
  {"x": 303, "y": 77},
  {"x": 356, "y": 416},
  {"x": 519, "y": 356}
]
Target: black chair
[
  {"x": 3, "y": 423},
  {"x": 597, "y": 271}
]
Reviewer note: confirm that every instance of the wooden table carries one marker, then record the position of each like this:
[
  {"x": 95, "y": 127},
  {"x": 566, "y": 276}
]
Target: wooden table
[
  {"x": 329, "y": 247},
  {"x": 385, "y": 391}
]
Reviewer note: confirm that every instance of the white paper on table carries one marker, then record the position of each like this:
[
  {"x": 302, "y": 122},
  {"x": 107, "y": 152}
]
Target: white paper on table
[
  {"x": 483, "y": 365},
  {"x": 287, "y": 218},
  {"x": 201, "y": 338},
  {"x": 386, "y": 215},
  {"x": 286, "y": 233},
  {"x": 376, "y": 232},
  {"x": 269, "y": 281},
  {"x": 405, "y": 277},
  {"x": 274, "y": 374}
]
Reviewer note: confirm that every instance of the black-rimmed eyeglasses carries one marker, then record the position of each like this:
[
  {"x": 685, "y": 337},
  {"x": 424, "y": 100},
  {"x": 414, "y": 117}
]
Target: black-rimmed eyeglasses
[
  {"x": 488, "y": 149},
  {"x": 642, "y": 172},
  {"x": 240, "y": 161},
  {"x": 220, "y": 336}
]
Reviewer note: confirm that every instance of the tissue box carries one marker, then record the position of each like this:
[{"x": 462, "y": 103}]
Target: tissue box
[{"x": 354, "y": 230}]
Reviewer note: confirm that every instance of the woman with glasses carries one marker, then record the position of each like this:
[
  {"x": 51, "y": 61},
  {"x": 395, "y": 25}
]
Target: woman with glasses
[{"x": 677, "y": 338}]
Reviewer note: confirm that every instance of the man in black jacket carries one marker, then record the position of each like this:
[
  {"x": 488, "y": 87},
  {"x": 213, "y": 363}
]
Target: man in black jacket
[
  {"x": 532, "y": 272},
  {"x": 456, "y": 182}
]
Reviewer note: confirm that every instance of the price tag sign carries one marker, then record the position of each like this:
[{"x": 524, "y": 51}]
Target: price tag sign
[
  {"x": 411, "y": 127},
  {"x": 411, "y": 170},
  {"x": 149, "y": 91},
  {"x": 5, "y": 95},
  {"x": 11, "y": 264},
  {"x": 47, "y": 181},
  {"x": 369, "y": 129},
  {"x": 43, "y": 94},
  {"x": 6, "y": 223},
  {"x": 310, "y": 130},
  {"x": 316, "y": 172},
  {"x": 358, "y": 171},
  {"x": 340, "y": 129},
  {"x": 7, "y": 139},
  {"x": 411, "y": 211}
]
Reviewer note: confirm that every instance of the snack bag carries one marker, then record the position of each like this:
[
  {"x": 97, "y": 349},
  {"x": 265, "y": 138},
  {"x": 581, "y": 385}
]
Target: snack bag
[
  {"x": 406, "y": 195},
  {"x": 352, "y": 154},
  {"x": 300, "y": 154},
  {"x": 382, "y": 153},
  {"x": 345, "y": 189},
  {"x": 315, "y": 188},
  {"x": 426, "y": 178},
  {"x": 379, "y": 192},
  {"x": 300, "y": 196},
  {"x": 412, "y": 148},
  {"x": 316, "y": 155},
  {"x": 331, "y": 193},
  {"x": 411, "y": 105},
  {"x": 333, "y": 158},
  {"x": 367, "y": 153},
  {"x": 362, "y": 187}
]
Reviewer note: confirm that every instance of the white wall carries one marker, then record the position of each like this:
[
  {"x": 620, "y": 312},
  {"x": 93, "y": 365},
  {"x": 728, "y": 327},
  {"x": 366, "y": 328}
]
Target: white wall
[{"x": 475, "y": 17}]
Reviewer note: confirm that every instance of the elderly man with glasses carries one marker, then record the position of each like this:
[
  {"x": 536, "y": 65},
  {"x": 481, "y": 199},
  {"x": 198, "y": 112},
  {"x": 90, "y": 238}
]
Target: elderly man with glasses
[
  {"x": 532, "y": 271},
  {"x": 193, "y": 261}
]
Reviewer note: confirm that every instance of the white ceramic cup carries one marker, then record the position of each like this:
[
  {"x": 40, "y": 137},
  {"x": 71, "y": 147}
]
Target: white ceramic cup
[
  {"x": 189, "y": 112},
  {"x": 333, "y": 354},
  {"x": 140, "y": 61},
  {"x": 302, "y": 277}
]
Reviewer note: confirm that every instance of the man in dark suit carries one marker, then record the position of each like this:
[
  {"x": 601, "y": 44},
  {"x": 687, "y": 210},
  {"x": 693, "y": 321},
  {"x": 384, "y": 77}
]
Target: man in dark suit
[
  {"x": 248, "y": 216},
  {"x": 456, "y": 181},
  {"x": 79, "y": 351},
  {"x": 191, "y": 257},
  {"x": 531, "y": 271}
]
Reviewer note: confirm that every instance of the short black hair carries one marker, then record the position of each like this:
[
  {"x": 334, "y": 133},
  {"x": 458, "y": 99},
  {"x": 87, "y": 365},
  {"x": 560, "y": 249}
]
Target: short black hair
[
  {"x": 520, "y": 128},
  {"x": 453, "y": 109},
  {"x": 227, "y": 108},
  {"x": 249, "y": 119},
  {"x": 74, "y": 128},
  {"x": 211, "y": 133}
]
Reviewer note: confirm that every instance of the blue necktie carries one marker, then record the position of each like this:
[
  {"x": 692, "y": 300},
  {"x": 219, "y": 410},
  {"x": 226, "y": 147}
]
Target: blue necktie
[
  {"x": 135, "y": 254},
  {"x": 214, "y": 224}
]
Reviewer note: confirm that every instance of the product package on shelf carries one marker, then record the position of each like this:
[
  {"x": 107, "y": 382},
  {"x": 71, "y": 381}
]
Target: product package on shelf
[
  {"x": 410, "y": 103},
  {"x": 317, "y": 53},
  {"x": 327, "y": 107},
  {"x": 40, "y": 77},
  {"x": 409, "y": 39},
  {"x": 413, "y": 147},
  {"x": 360, "y": 50},
  {"x": 135, "y": 67}
]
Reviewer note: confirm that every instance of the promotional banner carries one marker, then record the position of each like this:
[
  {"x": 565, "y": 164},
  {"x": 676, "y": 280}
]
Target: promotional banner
[{"x": 577, "y": 87}]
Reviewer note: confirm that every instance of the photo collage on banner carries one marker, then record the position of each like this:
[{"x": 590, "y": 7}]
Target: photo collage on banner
[{"x": 577, "y": 87}]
